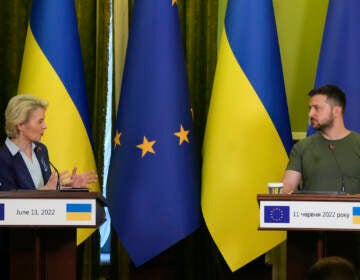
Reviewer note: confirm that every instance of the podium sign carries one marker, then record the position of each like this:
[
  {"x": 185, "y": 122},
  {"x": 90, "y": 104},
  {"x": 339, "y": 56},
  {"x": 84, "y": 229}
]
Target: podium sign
[
  {"x": 309, "y": 212},
  {"x": 42, "y": 230},
  {"x": 50, "y": 212}
]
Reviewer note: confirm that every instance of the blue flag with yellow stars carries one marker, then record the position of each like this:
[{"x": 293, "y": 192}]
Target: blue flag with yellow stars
[
  {"x": 153, "y": 183},
  {"x": 339, "y": 61}
]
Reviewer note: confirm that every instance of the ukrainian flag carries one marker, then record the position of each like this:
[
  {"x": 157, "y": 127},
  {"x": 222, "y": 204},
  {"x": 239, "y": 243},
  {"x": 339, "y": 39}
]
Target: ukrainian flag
[
  {"x": 247, "y": 137},
  {"x": 52, "y": 69},
  {"x": 356, "y": 215},
  {"x": 78, "y": 212}
]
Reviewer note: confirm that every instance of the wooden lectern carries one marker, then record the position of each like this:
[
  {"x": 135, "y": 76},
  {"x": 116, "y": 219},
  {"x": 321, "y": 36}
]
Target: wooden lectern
[
  {"x": 42, "y": 230},
  {"x": 318, "y": 224}
]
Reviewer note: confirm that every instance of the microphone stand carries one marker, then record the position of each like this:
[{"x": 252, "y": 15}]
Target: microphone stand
[
  {"x": 58, "y": 185},
  {"x": 342, "y": 183}
]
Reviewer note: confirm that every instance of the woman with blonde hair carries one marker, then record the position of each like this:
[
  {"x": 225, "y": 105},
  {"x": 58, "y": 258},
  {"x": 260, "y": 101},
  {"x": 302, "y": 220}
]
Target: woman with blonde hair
[{"x": 24, "y": 159}]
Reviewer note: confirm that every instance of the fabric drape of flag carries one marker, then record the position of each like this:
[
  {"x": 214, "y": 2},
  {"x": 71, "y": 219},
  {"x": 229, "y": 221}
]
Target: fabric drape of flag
[
  {"x": 339, "y": 61},
  {"x": 52, "y": 69},
  {"x": 153, "y": 184},
  {"x": 247, "y": 137}
]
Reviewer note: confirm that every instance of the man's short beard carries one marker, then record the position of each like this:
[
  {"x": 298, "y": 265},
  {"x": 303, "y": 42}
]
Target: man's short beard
[{"x": 324, "y": 126}]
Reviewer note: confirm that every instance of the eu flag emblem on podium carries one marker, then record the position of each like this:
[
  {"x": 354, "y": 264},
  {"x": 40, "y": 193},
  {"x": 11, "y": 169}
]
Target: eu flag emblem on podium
[{"x": 277, "y": 214}]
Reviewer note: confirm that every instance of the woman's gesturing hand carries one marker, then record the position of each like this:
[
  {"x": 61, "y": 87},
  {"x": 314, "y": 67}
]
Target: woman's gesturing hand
[{"x": 76, "y": 180}]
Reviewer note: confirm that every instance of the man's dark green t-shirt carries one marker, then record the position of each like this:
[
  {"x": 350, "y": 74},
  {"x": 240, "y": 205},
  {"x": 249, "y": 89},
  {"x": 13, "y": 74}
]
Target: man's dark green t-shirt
[{"x": 326, "y": 165}]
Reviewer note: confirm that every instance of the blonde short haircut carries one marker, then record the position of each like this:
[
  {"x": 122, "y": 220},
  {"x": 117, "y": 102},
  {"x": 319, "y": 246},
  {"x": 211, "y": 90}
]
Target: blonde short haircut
[{"x": 19, "y": 110}]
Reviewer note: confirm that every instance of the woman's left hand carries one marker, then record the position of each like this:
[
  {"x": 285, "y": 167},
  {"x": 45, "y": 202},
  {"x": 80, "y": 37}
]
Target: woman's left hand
[{"x": 80, "y": 180}]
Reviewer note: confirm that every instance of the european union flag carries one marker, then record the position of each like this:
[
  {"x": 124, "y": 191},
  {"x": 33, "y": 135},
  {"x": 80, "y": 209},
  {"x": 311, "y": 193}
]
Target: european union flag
[
  {"x": 154, "y": 192},
  {"x": 339, "y": 61},
  {"x": 2, "y": 211},
  {"x": 277, "y": 214}
]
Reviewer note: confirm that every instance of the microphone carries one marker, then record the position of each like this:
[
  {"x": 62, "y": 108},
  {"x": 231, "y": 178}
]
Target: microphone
[
  {"x": 332, "y": 149},
  {"x": 58, "y": 186}
]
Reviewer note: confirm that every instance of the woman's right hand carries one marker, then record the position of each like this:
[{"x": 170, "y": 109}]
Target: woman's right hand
[{"x": 52, "y": 182}]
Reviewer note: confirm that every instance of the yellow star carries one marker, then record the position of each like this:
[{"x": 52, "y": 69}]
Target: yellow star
[
  {"x": 117, "y": 139},
  {"x": 173, "y": 2},
  {"x": 146, "y": 146},
  {"x": 183, "y": 135}
]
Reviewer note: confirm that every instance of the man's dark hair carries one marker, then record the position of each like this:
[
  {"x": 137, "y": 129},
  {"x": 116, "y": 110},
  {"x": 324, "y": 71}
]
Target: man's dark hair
[
  {"x": 333, "y": 93},
  {"x": 332, "y": 268}
]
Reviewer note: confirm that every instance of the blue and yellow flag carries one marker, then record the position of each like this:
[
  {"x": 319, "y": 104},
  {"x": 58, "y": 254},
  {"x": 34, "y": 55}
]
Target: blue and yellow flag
[
  {"x": 339, "y": 61},
  {"x": 247, "y": 137},
  {"x": 52, "y": 69},
  {"x": 154, "y": 191}
]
